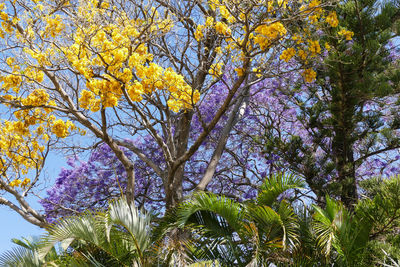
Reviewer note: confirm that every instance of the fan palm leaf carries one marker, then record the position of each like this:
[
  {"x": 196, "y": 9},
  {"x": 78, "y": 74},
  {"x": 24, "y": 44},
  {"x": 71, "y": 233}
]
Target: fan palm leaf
[
  {"x": 337, "y": 230},
  {"x": 27, "y": 254},
  {"x": 118, "y": 237},
  {"x": 239, "y": 234},
  {"x": 276, "y": 185}
]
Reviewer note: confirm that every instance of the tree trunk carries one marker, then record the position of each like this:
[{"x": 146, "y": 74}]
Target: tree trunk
[
  {"x": 345, "y": 185},
  {"x": 174, "y": 181}
]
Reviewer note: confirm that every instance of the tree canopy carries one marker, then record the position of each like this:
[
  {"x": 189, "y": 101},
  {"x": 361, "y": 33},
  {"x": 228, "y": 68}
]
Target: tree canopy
[{"x": 114, "y": 70}]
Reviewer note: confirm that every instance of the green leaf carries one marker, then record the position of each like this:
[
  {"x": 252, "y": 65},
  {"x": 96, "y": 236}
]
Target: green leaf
[{"x": 276, "y": 185}]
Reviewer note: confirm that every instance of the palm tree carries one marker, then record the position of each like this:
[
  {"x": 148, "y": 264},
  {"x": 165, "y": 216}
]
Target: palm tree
[
  {"x": 119, "y": 236},
  {"x": 340, "y": 232},
  {"x": 27, "y": 255},
  {"x": 253, "y": 233},
  {"x": 333, "y": 235}
]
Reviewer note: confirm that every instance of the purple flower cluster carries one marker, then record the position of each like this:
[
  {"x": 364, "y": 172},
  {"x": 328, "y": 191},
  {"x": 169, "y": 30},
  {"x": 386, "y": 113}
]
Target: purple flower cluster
[
  {"x": 85, "y": 184},
  {"x": 93, "y": 183}
]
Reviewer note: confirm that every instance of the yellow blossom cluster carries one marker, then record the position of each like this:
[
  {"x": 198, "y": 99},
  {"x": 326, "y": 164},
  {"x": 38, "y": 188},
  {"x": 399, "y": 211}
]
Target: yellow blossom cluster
[
  {"x": 20, "y": 149},
  {"x": 267, "y": 32},
  {"x": 332, "y": 19},
  {"x": 240, "y": 30},
  {"x": 33, "y": 75},
  {"x": 10, "y": 61},
  {"x": 37, "y": 98},
  {"x": 11, "y": 81},
  {"x": 62, "y": 129},
  {"x": 309, "y": 75},
  {"x": 18, "y": 182},
  {"x": 231, "y": 21},
  {"x": 313, "y": 8},
  {"x": 240, "y": 71},
  {"x": 109, "y": 55},
  {"x": 117, "y": 67},
  {"x": 288, "y": 54},
  {"x": 220, "y": 27},
  {"x": 347, "y": 34},
  {"x": 305, "y": 44},
  {"x": 6, "y": 22},
  {"x": 302, "y": 54},
  {"x": 327, "y": 46},
  {"x": 314, "y": 47},
  {"x": 216, "y": 69},
  {"x": 54, "y": 26},
  {"x": 88, "y": 100}
]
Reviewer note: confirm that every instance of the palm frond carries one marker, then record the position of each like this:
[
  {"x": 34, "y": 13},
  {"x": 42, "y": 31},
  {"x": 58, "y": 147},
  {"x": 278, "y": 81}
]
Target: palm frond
[
  {"x": 20, "y": 257},
  {"x": 84, "y": 227},
  {"x": 27, "y": 254},
  {"x": 217, "y": 226},
  {"x": 325, "y": 226},
  {"x": 88, "y": 232},
  {"x": 290, "y": 225},
  {"x": 219, "y": 213},
  {"x": 276, "y": 185},
  {"x": 137, "y": 225},
  {"x": 205, "y": 264}
]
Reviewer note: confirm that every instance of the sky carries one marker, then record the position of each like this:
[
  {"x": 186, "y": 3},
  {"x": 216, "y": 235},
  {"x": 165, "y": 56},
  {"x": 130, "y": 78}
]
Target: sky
[{"x": 12, "y": 225}]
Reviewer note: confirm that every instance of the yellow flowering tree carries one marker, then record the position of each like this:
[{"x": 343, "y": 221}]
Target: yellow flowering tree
[{"x": 117, "y": 69}]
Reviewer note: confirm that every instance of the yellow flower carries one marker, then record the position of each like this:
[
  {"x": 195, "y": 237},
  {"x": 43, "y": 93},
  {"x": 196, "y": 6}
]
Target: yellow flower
[
  {"x": 272, "y": 31},
  {"x": 25, "y": 182},
  {"x": 216, "y": 69},
  {"x": 14, "y": 183},
  {"x": 332, "y": 19},
  {"x": 60, "y": 128},
  {"x": 37, "y": 98},
  {"x": 309, "y": 75},
  {"x": 347, "y": 34},
  {"x": 198, "y": 35},
  {"x": 239, "y": 71},
  {"x": 327, "y": 46},
  {"x": 288, "y": 54},
  {"x": 86, "y": 99},
  {"x": 302, "y": 54},
  {"x": 314, "y": 47},
  {"x": 10, "y": 61},
  {"x": 54, "y": 26},
  {"x": 209, "y": 21},
  {"x": 222, "y": 28}
]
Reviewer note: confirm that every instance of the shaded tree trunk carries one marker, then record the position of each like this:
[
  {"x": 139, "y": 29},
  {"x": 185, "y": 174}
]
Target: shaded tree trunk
[
  {"x": 343, "y": 110},
  {"x": 174, "y": 184}
]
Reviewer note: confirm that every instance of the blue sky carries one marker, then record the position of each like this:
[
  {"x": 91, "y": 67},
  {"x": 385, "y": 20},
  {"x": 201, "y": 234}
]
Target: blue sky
[{"x": 12, "y": 225}]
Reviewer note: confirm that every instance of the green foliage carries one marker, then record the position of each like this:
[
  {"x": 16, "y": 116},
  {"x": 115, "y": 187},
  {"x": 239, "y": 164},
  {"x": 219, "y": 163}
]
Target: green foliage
[
  {"x": 338, "y": 230},
  {"x": 276, "y": 185},
  {"x": 336, "y": 111},
  {"x": 213, "y": 229},
  {"x": 254, "y": 233},
  {"x": 117, "y": 237},
  {"x": 27, "y": 255},
  {"x": 381, "y": 205}
]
